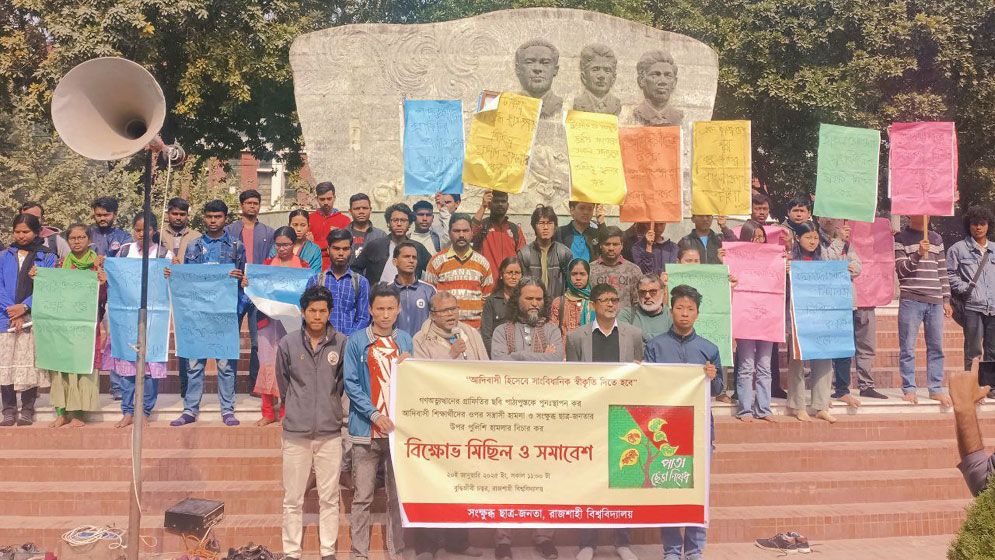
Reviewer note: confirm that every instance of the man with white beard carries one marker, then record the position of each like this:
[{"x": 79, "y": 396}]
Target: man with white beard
[{"x": 650, "y": 315}]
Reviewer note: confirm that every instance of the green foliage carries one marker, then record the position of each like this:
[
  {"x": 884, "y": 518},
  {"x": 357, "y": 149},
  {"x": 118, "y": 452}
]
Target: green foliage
[{"x": 976, "y": 539}]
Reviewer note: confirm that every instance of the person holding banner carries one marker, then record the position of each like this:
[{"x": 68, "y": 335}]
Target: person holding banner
[
  {"x": 271, "y": 332},
  {"x": 17, "y": 346},
  {"x": 495, "y": 237},
  {"x": 971, "y": 272},
  {"x": 924, "y": 299},
  {"x": 496, "y": 305},
  {"x": 214, "y": 247},
  {"x": 126, "y": 369},
  {"x": 573, "y": 308},
  {"x": 808, "y": 248},
  {"x": 652, "y": 252},
  {"x": 369, "y": 357},
  {"x": 753, "y": 376},
  {"x": 836, "y": 243},
  {"x": 546, "y": 259},
  {"x": 682, "y": 345},
  {"x": 75, "y": 394},
  {"x": 106, "y": 240},
  {"x": 607, "y": 341},
  {"x": 445, "y": 337},
  {"x": 303, "y": 248},
  {"x": 177, "y": 235},
  {"x": 308, "y": 372}
]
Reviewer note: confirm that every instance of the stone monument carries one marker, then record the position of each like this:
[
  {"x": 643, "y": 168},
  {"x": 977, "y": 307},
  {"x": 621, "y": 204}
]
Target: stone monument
[{"x": 349, "y": 82}]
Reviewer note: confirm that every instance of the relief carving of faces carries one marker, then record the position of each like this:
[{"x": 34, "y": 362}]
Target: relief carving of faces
[
  {"x": 536, "y": 65},
  {"x": 657, "y": 81}
]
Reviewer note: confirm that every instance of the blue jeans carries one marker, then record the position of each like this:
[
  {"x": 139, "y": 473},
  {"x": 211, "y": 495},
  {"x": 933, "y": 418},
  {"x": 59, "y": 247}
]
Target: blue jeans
[
  {"x": 589, "y": 538},
  {"x": 250, "y": 310},
  {"x": 195, "y": 386},
  {"x": 183, "y": 365},
  {"x": 691, "y": 544},
  {"x": 841, "y": 376},
  {"x": 128, "y": 394},
  {"x": 911, "y": 314},
  {"x": 754, "y": 359},
  {"x": 116, "y": 386}
]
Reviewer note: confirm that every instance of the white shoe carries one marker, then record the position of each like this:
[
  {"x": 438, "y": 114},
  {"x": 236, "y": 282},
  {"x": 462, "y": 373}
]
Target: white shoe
[
  {"x": 625, "y": 553},
  {"x": 586, "y": 553}
]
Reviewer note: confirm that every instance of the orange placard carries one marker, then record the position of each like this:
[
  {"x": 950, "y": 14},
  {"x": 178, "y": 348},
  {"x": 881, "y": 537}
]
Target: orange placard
[{"x": 651, "y": 157}]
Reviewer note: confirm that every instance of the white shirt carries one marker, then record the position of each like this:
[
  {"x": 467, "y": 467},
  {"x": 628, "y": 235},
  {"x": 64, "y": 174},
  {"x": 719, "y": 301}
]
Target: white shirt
[{"x": 596, "y": 327}]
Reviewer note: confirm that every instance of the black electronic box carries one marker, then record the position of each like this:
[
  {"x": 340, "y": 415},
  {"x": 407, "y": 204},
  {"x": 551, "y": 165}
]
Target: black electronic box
[{"x": 194, "y": 516}]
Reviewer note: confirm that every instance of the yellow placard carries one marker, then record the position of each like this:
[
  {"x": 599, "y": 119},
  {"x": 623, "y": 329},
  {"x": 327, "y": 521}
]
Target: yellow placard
[
  {"x": 721, "y": 170},
  {"x": 596, "y": 172},
  {"x": 518, "y": 444},
  {"x": 499, "y": 144}
]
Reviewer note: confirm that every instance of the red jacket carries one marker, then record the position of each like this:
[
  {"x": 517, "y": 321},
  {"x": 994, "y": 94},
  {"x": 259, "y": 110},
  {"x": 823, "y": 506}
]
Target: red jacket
[{"x": 321, "y": 225}]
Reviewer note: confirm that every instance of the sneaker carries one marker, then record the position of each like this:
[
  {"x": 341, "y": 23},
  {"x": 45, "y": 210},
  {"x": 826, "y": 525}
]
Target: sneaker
[
  {"x": 625, "y": 553},
  {"x": 26, "y": 418},
  {"x": 872, "y": 393},
  {"x": 229, "y": 419},
  {"x": 183, "y": 420},
  {"x": 502, "y": 552},
  {"x": 781, "y": 541},
  {"x": 724, "y": 398},
  {"x": 778, "y": 393},
  {"x": 801, "y": 543},
  {"x": 9, "y": 419},
  {"x": 585, "y": 553},
  {"x": 547, "y": 550}
]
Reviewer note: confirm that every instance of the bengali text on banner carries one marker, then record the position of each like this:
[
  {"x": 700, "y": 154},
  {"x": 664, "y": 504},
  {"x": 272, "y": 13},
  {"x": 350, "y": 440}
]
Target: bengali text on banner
[
  {"x": 64, "y": 313},
  {"x": 922, "y": 168},
  {"x": 875, "y": 245},
  {"x": 500, "y": 143},
  {"x": 596, "y": 173},
  {"x": 124, "y": 297},
  {"x": 205, "y": 300},
  {"x": 488, "y": 444},
  {"x": 433, "y": 147},
  {"x": 651, "y": 156},
  {"x": 758, "y": 299},
  {"x": 846, "y": 181},
  {"x": 822, "y": 310},
  {"x": 721, "y": 168}
]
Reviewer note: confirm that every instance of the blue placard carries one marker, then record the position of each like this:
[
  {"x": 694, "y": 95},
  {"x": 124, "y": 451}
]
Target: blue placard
[
  {"x": 822, "y": 309},
  {"x": 205, "y": 302},
  {"x": 276, "y": 292},
  {"x": 433, "y": 147},
  {"x": 124, "y": 290}
]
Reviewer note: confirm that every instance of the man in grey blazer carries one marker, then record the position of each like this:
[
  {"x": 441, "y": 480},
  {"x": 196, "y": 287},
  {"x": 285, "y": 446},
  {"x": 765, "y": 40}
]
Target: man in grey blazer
[{"x": 605, "y": 340}]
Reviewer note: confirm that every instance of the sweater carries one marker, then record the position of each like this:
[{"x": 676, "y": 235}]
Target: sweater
[
  {"x": 922, "y": 279},
  {"x": 430, "y": 344}
]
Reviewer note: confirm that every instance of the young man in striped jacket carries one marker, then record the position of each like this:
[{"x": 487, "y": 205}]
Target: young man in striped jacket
[{"x": 924, "y": 299}]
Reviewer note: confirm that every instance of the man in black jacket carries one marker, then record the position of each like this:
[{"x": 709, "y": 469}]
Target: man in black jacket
[
  {"x": 376, "y": 262},
  {"x": 309, "y": 374},
  {"x": 581, "y": 227}
]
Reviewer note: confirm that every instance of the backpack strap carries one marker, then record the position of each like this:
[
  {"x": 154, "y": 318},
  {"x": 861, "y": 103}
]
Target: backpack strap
[{"x": 355, "y": 285}]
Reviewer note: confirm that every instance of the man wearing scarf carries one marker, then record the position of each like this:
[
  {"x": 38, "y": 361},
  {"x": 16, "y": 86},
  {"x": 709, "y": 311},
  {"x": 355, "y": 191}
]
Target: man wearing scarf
[{"x": 445, "y": 337}]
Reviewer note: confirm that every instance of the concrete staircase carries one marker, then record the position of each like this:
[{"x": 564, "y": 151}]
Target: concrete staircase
[{"x": 885, "y": 471}]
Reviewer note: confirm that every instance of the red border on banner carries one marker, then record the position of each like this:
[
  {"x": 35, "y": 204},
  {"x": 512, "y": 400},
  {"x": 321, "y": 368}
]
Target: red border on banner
[{"x": 542, "y": 514}]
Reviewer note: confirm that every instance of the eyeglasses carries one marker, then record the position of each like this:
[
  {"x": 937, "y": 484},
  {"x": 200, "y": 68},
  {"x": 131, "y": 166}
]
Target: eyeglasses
[
  {"x": 284, "y": 245},
  {"x": 613, "y": 301},
  {"x": 651, "y": 293},
  {"x": 399, "y": 220},
  {"x": 446, "y": 311}
]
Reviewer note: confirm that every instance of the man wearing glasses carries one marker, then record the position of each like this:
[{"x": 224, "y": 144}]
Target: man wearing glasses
[
  {"x": 606, "y": 341},
  {"x": 650, "y": 314},
  {"x": 376, "y": 261}
]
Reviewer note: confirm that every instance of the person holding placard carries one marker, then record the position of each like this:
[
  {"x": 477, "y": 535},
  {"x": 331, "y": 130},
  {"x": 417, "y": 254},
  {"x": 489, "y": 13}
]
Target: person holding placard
[
  {"x": 652, "y": 252},
  {"x": 126, "y": 369},
  {"x": 808, "y": 248},
  {"x": 75, "y": 394},
  {"x": 447, "y": 205},
  {"x": 836, "y": 243},
  {"x": 971, "y": 272},
  {"x": 17, "y": 344},
  {"x": 706, "y": 242},
  {"x": 753, "y": 372},
  {"x": 924, "y": 299},
  {"x": 495, "y": 237}
]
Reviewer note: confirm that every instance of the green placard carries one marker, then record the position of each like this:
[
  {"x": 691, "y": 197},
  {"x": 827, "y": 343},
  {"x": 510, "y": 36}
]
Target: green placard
[
  {"x": 715, "y": 314},
  {"x": 64, "y": 312},
  {"x": 846, "y": 182}
]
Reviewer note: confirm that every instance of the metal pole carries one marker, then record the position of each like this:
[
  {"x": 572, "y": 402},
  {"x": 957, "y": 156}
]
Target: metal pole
[{"x": 138, "y": 419}]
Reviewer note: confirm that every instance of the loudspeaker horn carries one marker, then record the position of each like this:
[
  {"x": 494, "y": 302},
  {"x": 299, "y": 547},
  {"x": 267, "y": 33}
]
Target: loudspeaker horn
[{"x": 108, "y": 108}]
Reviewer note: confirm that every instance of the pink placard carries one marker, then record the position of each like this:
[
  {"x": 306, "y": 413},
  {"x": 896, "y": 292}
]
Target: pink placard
[
  {"x": 758, "y": 298},
  {"x": 875, "y": 245},
  {"x": 922, "y": 168}
]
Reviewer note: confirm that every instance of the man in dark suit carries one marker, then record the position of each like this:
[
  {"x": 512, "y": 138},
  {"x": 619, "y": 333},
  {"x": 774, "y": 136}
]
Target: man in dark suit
[{"x": 609, "y": 341}]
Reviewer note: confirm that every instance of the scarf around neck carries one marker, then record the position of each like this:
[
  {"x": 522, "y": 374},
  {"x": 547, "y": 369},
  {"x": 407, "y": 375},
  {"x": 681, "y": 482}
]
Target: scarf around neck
[
  {"x": 86, "y": 262},
  {"x": 25, "y": 284},
  {"x": 583, "y": 295}
]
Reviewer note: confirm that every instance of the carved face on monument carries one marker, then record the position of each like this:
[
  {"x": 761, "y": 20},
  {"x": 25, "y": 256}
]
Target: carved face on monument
[
  {"x": 536, "y": 64},
  {"x": 656, "y": 76},
  {"x": 597, "y": 69}
]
